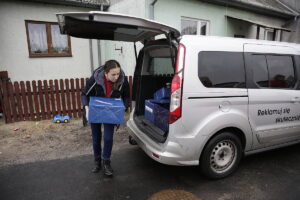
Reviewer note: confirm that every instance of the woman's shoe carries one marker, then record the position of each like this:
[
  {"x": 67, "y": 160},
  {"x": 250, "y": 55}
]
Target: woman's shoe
[
  {"x": 98, "y": 166},
  {"x": 107, "y": 170}
]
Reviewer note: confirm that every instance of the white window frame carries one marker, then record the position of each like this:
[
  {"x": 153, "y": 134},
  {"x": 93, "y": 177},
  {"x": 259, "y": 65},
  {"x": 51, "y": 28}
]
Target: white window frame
[{"x": 199, "y": 21}]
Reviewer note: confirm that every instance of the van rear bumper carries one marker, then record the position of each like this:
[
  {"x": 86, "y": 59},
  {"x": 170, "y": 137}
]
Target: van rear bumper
[{"x": 169, "y": 153}]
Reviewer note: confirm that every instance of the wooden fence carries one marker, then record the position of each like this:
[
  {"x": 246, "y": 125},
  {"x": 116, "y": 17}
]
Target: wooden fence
[{"x": 40, "y": 100}]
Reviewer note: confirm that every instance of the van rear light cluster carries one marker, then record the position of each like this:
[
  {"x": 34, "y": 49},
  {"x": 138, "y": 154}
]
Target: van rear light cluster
[{"x": 176, "y": 87}]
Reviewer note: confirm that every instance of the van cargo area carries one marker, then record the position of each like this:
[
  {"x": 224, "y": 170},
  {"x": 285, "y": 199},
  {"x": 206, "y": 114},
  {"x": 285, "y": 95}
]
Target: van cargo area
[{"x": 154, "y": 71}]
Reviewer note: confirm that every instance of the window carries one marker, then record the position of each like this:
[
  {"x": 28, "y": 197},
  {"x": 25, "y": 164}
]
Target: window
[
  {"x": 159, "y": 66},
  {"x": 281, "y": 71},
  {"x": 269, "y": 34},
  {"x": 273, "y": 71},
  {"x": 194, "y": 26},
  {"x": 44, "y": 39},
  {"x": 260, "y": 70},
  {"x": 221, "y": 69}
]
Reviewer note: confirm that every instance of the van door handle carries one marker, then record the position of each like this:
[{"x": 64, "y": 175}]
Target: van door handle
[{"x": 296, "y": 100}]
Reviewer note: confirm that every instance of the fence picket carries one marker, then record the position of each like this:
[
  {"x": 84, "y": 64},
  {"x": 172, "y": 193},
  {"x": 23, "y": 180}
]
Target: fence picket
[
  {"x": 30, "y": 100},
  {"x": 48, "y": 109},
  {"x": 20, "y": 112},
  {"x": 68, "y": 101},
  {"x": 73, "y": 101},
  {"x": 57, "y": 96},
  {"x": 41, "y": 99},
  {"x": 24, "y": 100},
  {"x": 78, "y": 97},
  {"x": 63, "y": 96},
  {"x": 36, "y": 101},
  {"x": 52, "y": 99},
  {"x": 12, "y": 102}
]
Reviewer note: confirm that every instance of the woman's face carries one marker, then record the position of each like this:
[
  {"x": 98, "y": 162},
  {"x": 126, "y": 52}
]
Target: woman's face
[{"x": 113, "y": 74}]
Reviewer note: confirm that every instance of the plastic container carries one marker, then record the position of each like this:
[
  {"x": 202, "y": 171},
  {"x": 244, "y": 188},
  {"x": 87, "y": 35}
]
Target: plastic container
[{"x": 106, "y": 110}]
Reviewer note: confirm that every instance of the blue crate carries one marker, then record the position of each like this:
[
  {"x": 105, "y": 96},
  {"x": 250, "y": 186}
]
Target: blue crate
[
  {"x": 163, "y": 93},
  {"x": 106, "y": 110},
  {"x": 157, "y": 113},
  {"x": 162, "y": 118},
  {"x": 149, "y": 110}
]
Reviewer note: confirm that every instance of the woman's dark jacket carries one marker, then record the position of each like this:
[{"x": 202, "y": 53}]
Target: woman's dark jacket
[{"x": 95, "y": 87}]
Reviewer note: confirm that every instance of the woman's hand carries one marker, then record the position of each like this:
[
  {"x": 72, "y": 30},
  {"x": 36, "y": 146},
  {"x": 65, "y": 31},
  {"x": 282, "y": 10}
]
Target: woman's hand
[{"x": 86, "y": 112}]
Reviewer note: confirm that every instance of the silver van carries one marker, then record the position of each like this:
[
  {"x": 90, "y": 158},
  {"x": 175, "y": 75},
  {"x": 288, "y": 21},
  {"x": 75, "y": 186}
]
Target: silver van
[{"x": 229, "y": 97}]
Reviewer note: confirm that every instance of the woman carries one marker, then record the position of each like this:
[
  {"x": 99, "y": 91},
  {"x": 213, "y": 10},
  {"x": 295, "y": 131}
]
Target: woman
[{"x": 107, "y": 81}]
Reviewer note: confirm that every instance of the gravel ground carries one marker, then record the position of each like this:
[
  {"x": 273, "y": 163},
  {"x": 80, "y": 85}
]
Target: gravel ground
[{"x": 29, "y": 141}]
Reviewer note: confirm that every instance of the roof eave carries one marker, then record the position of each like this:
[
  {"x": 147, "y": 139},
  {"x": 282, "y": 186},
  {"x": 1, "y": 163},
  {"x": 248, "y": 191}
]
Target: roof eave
[
  {"x": 75, "y": 3},
  {"x": 256, "y": 9}
]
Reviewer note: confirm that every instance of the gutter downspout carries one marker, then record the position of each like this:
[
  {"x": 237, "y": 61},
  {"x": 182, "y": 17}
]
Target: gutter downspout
[
  {"x": 91, "y": 55},
  {"x": 92, "y": 52},
  {"x": 99, "y": 44},
  {"x": 152, "y": 9}
]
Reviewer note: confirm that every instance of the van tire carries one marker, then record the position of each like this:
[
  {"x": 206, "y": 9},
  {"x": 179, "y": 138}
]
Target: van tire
[{"x": 221, "y": 155}]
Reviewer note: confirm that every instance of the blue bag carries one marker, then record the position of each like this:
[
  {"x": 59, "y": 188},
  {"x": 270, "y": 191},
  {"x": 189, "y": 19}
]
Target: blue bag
[
  {"x": 163, "y": 93},
  {"x": 106, "y": 110}
]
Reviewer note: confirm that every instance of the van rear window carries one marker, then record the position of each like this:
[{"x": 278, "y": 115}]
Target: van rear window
[
  {"x": 218, "y": 69},
  {"x": 160, "y": 66}
]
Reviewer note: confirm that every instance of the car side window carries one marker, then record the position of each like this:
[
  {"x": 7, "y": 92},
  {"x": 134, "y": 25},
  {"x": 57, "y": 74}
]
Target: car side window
[
  {"x": 218, "y": 69},
  {"x": 272, "y": 71},
  {"x": 281, "y": 71},
  {"x": 260, "y": 70}
]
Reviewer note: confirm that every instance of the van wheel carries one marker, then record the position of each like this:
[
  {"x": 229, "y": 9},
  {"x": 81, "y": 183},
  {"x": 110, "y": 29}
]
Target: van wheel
[{"x": 221, "y": 156}]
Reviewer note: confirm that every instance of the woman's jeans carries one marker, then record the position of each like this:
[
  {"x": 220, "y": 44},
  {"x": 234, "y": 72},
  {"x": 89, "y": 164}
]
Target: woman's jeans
[{"x": 108, "y": 140}]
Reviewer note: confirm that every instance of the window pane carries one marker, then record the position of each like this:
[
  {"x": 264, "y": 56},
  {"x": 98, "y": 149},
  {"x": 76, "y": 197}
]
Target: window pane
[
  {"x": 160, "y": 66},
  {"x": 203, "y": 28},
  {"x": 221, "y": 69},
  {"x": 188, "y": 27},
  {"x": 281, "y": 71},
  {"x": 59, "y": 41},
  {"x": 270, "y": 35},
  {"x": 38, "y": 38},
  {"x": 258, "y": 64}
]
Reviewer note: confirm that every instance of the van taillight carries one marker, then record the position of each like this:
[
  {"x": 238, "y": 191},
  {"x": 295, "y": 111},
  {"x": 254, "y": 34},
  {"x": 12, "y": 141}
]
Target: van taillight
[{"x": 176, "y": 87}]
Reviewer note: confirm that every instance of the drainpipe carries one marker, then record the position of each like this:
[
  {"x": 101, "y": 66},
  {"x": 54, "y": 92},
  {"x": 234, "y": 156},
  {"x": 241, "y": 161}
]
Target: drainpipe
[
  {"x": 98, "y": 50},
  {"x": 91, "y": 55},
  {"x": 152, "y": 9},
  {"x": 99, "y": 44}
]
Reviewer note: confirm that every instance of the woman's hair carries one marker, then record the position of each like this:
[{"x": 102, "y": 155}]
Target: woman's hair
[{"x": 111, "y": 64}]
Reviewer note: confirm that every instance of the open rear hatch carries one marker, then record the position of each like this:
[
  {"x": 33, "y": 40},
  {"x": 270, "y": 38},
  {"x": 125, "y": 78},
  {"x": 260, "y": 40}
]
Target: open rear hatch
[
  {"x": 118, "y": 27},
  {"x": 111, "y": 26}
]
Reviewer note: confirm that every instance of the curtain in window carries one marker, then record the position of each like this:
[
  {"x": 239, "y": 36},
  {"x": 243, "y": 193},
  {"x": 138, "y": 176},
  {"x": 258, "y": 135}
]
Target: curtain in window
[
  {"x": 59, "y": 41},
  {"x": 38, "y": 38},
  {"x": 188, "y": 27}
]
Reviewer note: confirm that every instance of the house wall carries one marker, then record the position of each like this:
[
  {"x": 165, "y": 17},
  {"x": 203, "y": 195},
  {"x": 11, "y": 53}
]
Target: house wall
[
  {"x": 112, "y": 49},
  {"x": 215, "y": 14},
  {"x": 14, "y": 55},
  {"x": 293, "y": 24},
  {"x": 170, "y": 12}
]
